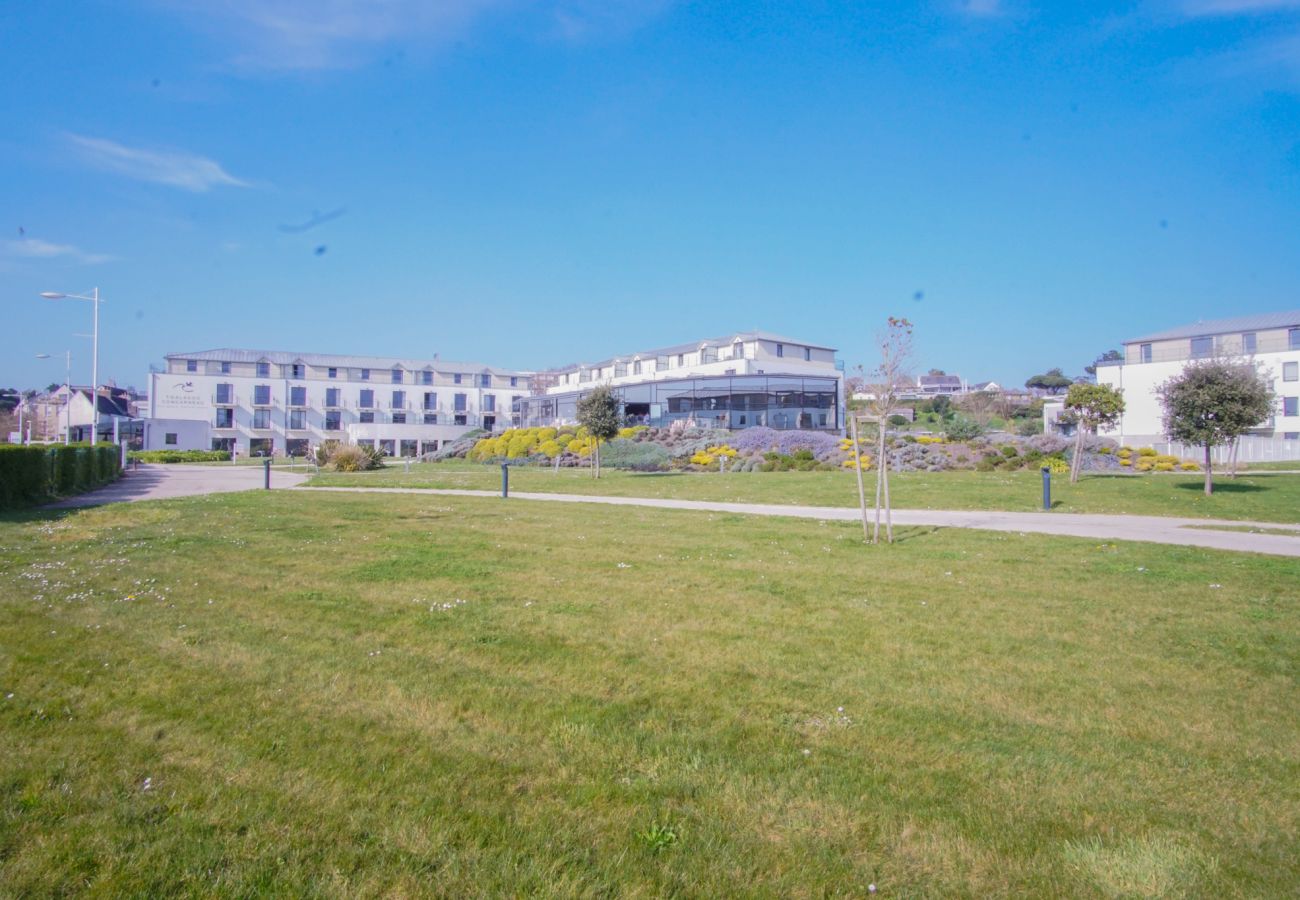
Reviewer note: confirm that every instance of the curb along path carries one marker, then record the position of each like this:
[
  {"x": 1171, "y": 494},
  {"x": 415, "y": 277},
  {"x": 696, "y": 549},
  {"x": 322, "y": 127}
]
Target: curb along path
[{"x": 1153, "y": 529}]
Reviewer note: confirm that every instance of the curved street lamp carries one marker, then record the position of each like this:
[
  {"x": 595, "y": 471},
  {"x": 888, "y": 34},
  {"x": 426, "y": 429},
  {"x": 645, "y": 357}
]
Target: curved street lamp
[{"x": 94, "y": 300}]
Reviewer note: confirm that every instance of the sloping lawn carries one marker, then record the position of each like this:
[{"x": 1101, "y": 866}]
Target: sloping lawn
[
  {"x": 1261, "y": 497},
  {"x": 294, "y": 693}
]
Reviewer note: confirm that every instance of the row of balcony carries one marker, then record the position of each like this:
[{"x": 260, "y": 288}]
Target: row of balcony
[{"x": 234, "y": 401}]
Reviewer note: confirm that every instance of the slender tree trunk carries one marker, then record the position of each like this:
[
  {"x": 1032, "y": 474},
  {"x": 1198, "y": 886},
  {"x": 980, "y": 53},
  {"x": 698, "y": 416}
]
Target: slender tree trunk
[
  {"x": 880, "y": 480},
  {"x": 1078, "y": 452},
  {"x": 857, "y": 459},
  {"x": 1209, "y": 475},
  {"x": 889, "y": 510},
  {"x": 1232, "y": 457}
]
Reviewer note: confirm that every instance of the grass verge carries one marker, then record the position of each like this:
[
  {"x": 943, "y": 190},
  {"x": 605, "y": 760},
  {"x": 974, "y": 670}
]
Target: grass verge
[
  {"x": 335, "y": 695},
  {"x": 1262, "y": 498}
]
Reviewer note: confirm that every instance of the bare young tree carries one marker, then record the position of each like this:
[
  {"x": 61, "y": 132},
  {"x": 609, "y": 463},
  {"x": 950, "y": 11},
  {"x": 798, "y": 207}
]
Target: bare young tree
[{"x": 883, "y": 384}]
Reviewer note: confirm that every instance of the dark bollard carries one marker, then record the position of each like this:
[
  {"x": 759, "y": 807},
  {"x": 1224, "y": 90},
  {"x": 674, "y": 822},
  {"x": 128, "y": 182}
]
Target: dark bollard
[
  {"x": 1047, "y": 487},
  {"x": 505, "y": 480},
  {"x": 266, "y": 471}
]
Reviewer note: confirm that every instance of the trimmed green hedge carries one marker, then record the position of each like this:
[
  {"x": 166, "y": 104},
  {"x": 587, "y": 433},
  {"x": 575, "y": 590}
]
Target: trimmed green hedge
[
  {"x": 178, "y": 456},
  {"x": 34, "y": 473}
]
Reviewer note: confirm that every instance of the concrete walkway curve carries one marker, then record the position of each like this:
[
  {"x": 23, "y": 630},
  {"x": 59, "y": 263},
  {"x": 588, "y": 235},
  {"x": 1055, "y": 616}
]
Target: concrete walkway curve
[
  {"x": 160, "y": 482},
  {"x": 1153, "y": 529}
]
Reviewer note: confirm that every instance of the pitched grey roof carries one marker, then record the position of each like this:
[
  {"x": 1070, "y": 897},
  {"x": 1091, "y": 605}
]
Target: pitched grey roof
[
  {"x": 285, "y": 357},
  {"x": 724, "y": 341},
  {"x": 939, "y": 379},
  {"x": 1258, "y": 322}
]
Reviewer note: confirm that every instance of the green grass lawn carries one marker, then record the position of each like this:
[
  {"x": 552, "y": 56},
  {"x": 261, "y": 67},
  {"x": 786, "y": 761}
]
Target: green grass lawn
[
  {"x": 289, "y": 693},
  {"x": 1264, "y": 498}
]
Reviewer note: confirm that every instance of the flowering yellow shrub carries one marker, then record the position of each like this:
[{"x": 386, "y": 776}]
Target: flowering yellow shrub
[
  {"x": 722, "y": 450},
  {"x": 1124, "y": 452},
  {"x": 563, "y": 438},
  {"x": 1126, "y": 461},
  {"x": 866, "y": 462},
  {"x": 546, "y": 434},
  {"x": 703, "y": 458},
  {"x": 631, "y": 432},
  {"x": 930, "y": 439},
  {"x": 550, "y": 448},
  {"x": 1164, "y": 467},
  {"x": 1189, "y": 466},
  {"x": 1146, "y": 451},
  {"x": 1057, "y": 466}
]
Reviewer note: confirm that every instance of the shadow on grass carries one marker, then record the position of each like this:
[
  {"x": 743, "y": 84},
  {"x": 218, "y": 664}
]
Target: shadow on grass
[
  {"x": 34, "y": 514},
  {"x": 1225, "y": 486}
]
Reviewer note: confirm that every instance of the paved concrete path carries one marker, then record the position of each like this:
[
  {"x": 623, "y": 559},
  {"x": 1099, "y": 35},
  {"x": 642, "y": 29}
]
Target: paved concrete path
[
  {"x": 158, "y": 482},
  {"x": 1155, "y": 529}
]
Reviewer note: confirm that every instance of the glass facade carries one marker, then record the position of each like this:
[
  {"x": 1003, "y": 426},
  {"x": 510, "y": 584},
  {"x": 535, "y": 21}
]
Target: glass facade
[{"x": 734, "y": 402}]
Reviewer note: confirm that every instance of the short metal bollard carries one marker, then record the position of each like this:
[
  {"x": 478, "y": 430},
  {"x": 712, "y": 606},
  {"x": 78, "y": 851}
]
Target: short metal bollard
[
  {"x": 505, "y": 480},
  {"x": 1047, "y": 487},
  {"x": 266, "y": 473}
]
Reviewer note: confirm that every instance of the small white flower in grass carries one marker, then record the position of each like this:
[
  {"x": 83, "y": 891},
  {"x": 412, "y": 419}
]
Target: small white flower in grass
[
  {"x": 624, "y": 565},
  {"x": 871, "y": 889},
  {"x": 9, "y": 696},
  {"x": 806, "y": 752},
  {"x": 1213, "y": 586},
  {"x": 148, "y": 784}
]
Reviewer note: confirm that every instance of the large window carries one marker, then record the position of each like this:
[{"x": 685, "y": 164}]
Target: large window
[
  {"x": 367, "y": 399},
  {"x": 332, "y": 397},
  {"x": 397, "y": 376},
  {"x": 1291, "y": 371},
  {"x": 1202, "y": 347},
  {"x": 399, "y": 418},
  {"x": 399, "y": 400},
  {"x": 333, "y": 420},
  {"x": 1290, "y": 406},
  {"x": 430, "y": 418},
  {"x": 225, "y": 393},
  {"x": 460, "y": 404},
  {"x": 261, "y": 418},
  {"x": 1248, "y": 342},
  {"x": 297, "y": 419},
  {"x": 490, "y": 403},
  {"x": 263, "y": 370},
  {"x": 297, "y": 396},
  {"x": 1144, "y": 353},
  {"x": 297, "y": 370},
  {"x": 426, "y": 378},
  {"x": 430, "y": 400},
  {"x": 261, "y": 395},
  {"x": 485, "y": 380},
  {"x": 366, "y": 417},
  {"x": 225, "y": 418}
]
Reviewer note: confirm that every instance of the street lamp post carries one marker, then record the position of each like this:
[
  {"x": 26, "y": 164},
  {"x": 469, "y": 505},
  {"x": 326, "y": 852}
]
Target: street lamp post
[
  {"x": 94, "y": 301},
  {"x": 67, "y": 400}
]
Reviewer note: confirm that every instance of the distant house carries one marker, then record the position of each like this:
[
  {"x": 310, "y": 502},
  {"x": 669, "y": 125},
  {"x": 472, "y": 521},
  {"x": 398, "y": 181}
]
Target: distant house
[
  {"x": 986, "y": 387},
  {"x": 933, "y": 385},
  {"x": 67, "y": 413}
]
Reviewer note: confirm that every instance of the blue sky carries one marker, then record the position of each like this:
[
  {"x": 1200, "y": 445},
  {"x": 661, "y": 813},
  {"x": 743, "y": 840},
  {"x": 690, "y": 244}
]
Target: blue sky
[{"x": 537, "y": 183}]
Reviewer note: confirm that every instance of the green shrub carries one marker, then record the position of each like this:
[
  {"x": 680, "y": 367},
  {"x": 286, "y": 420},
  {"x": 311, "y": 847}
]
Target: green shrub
[
  {"x": 1147, "y": 451},
  {"x": 639, "y": 456},
  {"x": 1010, "y": 451},
  {"x": 961, "y": 429},
  {"x": 179, "y": 456},
  {"x": 24, "y": 475}
]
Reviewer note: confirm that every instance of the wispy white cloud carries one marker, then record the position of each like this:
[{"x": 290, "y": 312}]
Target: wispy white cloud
[
  {"x": 35, "y": 248},
  {"x": 176, "y": 168},
  {"x": 289, "y": 35}
]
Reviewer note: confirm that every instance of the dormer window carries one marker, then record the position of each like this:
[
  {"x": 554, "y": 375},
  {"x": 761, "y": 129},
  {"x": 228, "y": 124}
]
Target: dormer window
[
  {"x": 738, "y": 350},
  {"x": 264, "y": 370}
]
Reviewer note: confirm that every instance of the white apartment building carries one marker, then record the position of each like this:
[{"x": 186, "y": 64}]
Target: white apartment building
[
  {"x": 735, "y": 381},
  {"x": 1270, "y": 340},
  {"x": 275, "y": 402}
]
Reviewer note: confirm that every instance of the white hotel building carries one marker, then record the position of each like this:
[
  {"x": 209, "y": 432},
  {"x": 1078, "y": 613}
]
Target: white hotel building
[
  {"x": 1270, "y": 340},
  {"x": 739, "y": 380},
  {"x": 274, "y": 402}
]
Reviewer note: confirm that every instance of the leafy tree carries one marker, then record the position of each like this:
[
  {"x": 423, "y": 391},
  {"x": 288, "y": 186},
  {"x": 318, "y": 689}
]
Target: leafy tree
[
  {"x": 8, "y": 399},
  {"x": 941, "y": 406},
  {"x": 1053, "y": 381},
  {"x": 1214, "y": 402},
  {"x": 962, "y": 429},
  {"x": 1094, "y": 406},
  {"x": 598, "y": 413},
  {"x": 936, "y": 372},
  {"x": 1108, "y": 356}
]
